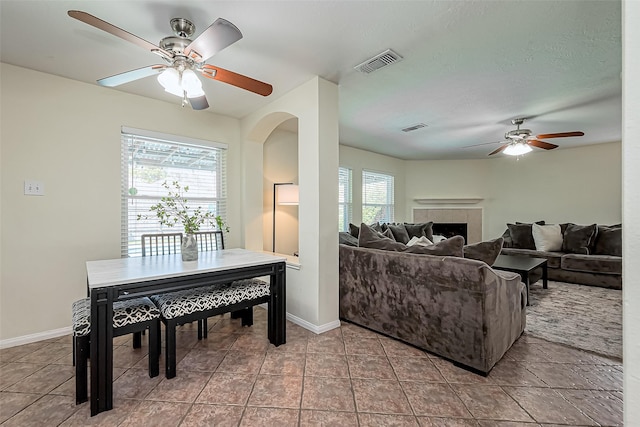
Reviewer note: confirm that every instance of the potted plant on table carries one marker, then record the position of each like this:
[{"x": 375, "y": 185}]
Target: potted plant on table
[{"x": 173, "y": 209}]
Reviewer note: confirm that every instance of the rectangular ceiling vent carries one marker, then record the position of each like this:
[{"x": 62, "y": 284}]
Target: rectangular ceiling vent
[
  {"x": 381, "y": 60},
  {"x": 414, "y": 127}
]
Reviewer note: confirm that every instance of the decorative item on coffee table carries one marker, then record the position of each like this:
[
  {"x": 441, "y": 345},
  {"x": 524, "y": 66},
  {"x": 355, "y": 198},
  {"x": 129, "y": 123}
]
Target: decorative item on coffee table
[{"x": 173, "y": 209}]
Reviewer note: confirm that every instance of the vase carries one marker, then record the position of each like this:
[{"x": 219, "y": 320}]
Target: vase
[{"x": 189, "y": 248}]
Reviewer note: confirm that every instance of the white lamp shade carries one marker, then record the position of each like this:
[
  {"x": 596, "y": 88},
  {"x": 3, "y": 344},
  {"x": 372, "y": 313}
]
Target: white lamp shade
[
  {"x": 191, "y": 84},
  {"x": 517, "y": 149},
  {"x": 170, "y": 81},
  {"x": 288, "y": 194}
]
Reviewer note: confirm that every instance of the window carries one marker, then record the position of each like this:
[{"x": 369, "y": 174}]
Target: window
[
  {"x": 345, "y": 206},
  {"x": 148, "y": 160},
  {"x": 377, "y": 197}
]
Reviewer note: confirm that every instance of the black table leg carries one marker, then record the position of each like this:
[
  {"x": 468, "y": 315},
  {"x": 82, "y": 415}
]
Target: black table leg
[
  {"x": 544, "y": 276},
  {"x": 525, "y": 279},
  {"x": 277, "y": 306},
  {"x": 101, "y": 353}
]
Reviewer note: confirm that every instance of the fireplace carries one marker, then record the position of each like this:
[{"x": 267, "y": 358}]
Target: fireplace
[
  {"x": 450, "y": 229},
  {"x": 466, "y": 222}
]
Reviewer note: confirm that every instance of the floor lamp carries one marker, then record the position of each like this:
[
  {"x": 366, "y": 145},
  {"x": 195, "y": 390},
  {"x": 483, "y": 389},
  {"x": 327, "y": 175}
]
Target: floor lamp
[{"x": 287, "y": 194}]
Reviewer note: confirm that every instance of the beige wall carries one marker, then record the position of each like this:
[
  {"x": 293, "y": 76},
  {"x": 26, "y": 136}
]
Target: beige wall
[
  {"x": 358, "y": 160},
  {"x": 280, "y": 164},
  {"x": 66, "y": 134},
  {"x": 580, "y": 185}
]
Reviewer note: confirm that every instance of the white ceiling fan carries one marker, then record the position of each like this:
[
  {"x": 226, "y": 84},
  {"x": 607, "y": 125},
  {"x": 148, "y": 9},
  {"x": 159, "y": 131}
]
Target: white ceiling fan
[{"x": 185, "y": 59}]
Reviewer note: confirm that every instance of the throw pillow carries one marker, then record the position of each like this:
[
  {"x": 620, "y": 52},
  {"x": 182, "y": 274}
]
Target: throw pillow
[
  {"x": 579, "y": 239},
  {"x": 548, "y": 238},
  {"x": 369, "y": 238},
  {"x": 399, "y": 232},
  {"x": 422, "y": 241},
  {"x": 419, "y": 230},
  {"x": 484, "y": 251},
  {"x": 354, "y": 230},
  {"x": 448, "y": 247},
  {"x": 345, "y": 238},
  {"x": 389, "y": 234},
  {"x": 608, "y": 240},
  {"x": 521, "y": 236}
]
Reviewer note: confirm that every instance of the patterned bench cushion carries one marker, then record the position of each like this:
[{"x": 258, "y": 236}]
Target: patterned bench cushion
[
  {"x": 180, "y": 303},
  {"x": 125, "y": 312}
]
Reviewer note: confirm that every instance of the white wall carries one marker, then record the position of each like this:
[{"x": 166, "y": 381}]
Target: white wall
[
  {"x": 280, "y": 164},
  {"x": 312, "y": 291},
  {"x": 67, "y": 135},
  {"x": 631, "y": 197},
  {"x": 357, "y": 160},
  {"x": 581, "y": 185}
]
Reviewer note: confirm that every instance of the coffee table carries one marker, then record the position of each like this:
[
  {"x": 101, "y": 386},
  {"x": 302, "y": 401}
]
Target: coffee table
[{"x": 522, "y": 265}]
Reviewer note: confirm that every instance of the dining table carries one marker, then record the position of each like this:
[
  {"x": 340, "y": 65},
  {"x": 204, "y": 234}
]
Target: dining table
[{"x": 124, "y": 278}]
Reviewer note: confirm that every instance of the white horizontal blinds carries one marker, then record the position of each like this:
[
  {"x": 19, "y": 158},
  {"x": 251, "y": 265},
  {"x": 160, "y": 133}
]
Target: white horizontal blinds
[
  {"x": 345, "y": 202},
  {"x": 377, "y": 197},
  {"x": 150, "y": 160}
]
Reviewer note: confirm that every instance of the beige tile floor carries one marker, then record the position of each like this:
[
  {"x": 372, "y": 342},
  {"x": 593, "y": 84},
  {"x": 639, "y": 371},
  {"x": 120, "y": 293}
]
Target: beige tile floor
[{"x": 345, "y": 377}]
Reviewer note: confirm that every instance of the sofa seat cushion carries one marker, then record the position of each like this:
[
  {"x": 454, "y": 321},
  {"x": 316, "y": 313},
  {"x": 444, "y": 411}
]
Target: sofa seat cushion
[
  {"x": 604, "y": 264},
  {"x": 553, "y": 258},
  {"x": 127, "y": 312},
  {"x": 181, "y": 303}
]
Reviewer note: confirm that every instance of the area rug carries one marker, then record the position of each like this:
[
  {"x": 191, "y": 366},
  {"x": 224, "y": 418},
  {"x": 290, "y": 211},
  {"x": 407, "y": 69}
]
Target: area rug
[{"x": 585, "y": 317}]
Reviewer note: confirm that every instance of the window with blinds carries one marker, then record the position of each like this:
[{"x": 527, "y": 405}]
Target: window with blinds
[
  {"x": 377, "y": 197},
  {"x": 148, "y": 160},
  {"x": 345, "y": 204}
]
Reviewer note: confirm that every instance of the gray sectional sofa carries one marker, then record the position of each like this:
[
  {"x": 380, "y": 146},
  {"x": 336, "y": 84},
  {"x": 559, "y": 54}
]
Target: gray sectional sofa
[
  {"x": 458, "y": 308},
  {"x": 590, "y": 254}
]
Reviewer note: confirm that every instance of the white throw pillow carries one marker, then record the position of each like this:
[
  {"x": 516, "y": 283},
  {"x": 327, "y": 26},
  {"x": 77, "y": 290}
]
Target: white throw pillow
[
  {"x": 422, "y": 241},
  {"x": 438, "y": 238},
  {"x": 548, "y": 238}
]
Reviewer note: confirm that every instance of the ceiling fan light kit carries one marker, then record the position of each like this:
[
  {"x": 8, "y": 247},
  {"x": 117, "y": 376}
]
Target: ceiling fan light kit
[
  {"x": 520, "y": 141},
  {"x": 517, "y": 149},
  {"x": 184, "y": 56}
]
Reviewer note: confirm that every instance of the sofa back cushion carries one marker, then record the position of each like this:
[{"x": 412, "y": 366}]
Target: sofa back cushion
[
  {"x": 369, "y": 238},
  {"x": 521, "y": 235},
  {"x": 399, "y": 232},
  {"x": 484, "y": 251},
  {"x": 608, "y": 240},
  {"x": 345, "y": 238},
  {"x": 419, "y": 230},
  {"x": 579, "y": 239}
]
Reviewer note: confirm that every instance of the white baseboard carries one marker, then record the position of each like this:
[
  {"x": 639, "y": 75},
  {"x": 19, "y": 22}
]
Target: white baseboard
[
  {"x": 40, "y": 336},
  {"x": 311, "y": 327},
  {"x": 308, "y": 326}
]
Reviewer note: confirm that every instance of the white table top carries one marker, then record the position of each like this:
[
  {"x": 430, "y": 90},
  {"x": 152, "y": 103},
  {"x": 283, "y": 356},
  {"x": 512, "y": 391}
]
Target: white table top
[{"x": 120, "y": 271}]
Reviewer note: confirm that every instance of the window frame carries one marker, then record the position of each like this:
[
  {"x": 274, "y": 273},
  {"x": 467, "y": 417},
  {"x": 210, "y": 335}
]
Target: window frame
[
  {"x": 345, "y": 197},
  {"x": 387, "y": 207}
]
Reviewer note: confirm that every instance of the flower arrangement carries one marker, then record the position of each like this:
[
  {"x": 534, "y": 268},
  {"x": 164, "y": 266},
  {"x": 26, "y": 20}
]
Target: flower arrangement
[{"x": 173, "y": 209}]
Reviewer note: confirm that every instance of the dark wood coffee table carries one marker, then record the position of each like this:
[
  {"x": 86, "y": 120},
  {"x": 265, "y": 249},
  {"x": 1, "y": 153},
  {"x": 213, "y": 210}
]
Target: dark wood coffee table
[{"x": 522, "y": 265}]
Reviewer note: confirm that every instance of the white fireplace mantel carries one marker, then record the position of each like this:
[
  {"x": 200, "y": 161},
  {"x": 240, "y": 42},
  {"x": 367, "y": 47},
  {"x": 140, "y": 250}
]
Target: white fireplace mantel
[{"x": 447, "y": 201}]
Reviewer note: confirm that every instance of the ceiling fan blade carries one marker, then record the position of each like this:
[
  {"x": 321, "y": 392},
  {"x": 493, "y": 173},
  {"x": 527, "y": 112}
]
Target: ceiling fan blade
[
  {"x": 542, "y": 144},
  {"x": 559, "y": 135},
  {"x": 238, "y": 80},
  {"x": 129, "y": 76},
  {"x": 199, "y": 103},
  {"x": 118, "y": 32},
  {"x": 219, "y": 35},
  {"x": 499, "y": 149},
  {"x": 484, "y": 143}
]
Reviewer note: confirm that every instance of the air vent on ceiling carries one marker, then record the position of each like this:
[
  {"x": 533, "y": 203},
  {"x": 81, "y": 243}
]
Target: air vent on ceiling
[
  {"x": 381, "y": 60},
  {"x": 414, "y": 127}
]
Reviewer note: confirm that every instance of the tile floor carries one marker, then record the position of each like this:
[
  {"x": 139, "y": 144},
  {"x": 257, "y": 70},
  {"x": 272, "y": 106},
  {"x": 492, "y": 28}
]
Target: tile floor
[{"x": 346, "y": 377}]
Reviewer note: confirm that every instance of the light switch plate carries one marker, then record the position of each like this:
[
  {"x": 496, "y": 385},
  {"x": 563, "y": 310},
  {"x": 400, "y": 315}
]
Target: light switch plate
[{"x": 33, "y": 188}]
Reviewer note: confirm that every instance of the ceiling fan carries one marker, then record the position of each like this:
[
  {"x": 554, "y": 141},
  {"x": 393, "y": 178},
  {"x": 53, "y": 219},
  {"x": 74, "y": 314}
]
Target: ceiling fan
[
  {"x": 184, "y": 59},
  {"x": 519, "y": 141}
]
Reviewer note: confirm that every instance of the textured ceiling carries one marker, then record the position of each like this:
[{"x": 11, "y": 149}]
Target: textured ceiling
[{"x": 469, "y": 67}]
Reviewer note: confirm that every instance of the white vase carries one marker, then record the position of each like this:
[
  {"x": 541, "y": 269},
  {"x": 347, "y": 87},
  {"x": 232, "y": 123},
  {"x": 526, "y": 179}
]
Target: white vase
[{"x": 189, "y": 248}]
